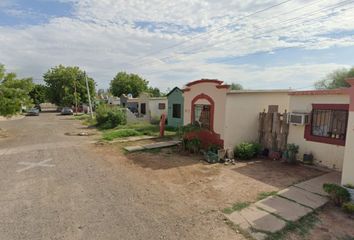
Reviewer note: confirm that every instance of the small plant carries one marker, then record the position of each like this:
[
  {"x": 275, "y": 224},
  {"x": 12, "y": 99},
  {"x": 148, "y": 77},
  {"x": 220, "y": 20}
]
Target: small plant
[
  {"x": 236, "y": 207},
  {"x": 292, "y": 151},
  {"x": 337, "y": 194},
  {"x": 348, "y": 207},
  {"x": 247, "y": 150},
  {"x": 264, "y": 195},
  {"x": 192, "y": 145}
]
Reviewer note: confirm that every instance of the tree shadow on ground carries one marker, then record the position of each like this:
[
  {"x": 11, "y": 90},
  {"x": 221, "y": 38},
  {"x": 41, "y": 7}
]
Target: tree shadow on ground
[
  {"x": 276, "y": 173},
  {"x": 164, "y": 158}
]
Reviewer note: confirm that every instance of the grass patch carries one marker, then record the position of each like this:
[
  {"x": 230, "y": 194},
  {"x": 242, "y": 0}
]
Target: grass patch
[
  {"x": 120, "y": 133},
  {"x": 236, "y": 207},
  {"x": 138, "y": 129},
  {"x": 264, "y": 195},
  {"x": 301, "y": 227}
]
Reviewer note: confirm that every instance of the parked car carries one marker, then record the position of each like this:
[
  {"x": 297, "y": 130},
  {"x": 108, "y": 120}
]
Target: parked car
[
  {"x": 67, "y": 111},
  {"x": 33, "y": 112}
]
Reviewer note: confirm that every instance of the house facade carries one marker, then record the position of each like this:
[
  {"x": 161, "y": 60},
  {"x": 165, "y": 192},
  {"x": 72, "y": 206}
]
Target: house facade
[
  {"x": 232, "y": 117},
  {"x": 175, "y": 108}
]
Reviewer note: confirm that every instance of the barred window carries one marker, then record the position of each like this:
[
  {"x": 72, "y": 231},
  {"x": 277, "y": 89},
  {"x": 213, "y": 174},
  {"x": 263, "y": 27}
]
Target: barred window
[
  {"x": 162, "y": 106},
  {"x": 329, "y": 123}
]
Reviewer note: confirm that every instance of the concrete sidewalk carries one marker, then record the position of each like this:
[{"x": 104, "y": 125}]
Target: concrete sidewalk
[
  {"x": 151, "y": 146},
  {"x": 271, "y": 215}
]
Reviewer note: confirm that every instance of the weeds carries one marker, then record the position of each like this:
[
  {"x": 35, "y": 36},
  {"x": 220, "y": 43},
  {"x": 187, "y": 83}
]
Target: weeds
[
  {"x": 236, "y": 207},
  {"x": 264, "y": 195}
]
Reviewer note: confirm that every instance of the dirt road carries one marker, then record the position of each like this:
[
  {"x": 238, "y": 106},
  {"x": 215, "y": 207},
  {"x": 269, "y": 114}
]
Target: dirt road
[{"x": 54, "y": 186}]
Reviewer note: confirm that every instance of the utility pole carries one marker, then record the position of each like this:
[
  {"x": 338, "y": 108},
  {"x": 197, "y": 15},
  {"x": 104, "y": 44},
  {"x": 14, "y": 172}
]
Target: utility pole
[
  {"x": 75, "y": 97},
  {"x": 89, "y": 97}
]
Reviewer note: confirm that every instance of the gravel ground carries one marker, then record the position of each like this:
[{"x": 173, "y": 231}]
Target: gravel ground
[{"x": 80, "y": 193}]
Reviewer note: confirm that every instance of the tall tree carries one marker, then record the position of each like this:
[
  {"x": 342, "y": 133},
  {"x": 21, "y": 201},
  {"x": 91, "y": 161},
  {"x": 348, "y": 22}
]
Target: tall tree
[
  {"x": 154, "y": 92},
  {"x": 14, "y": 92},
  {"x": 63, "y": 82},
  {"x": 236, "y": 86},
  {"x": 39, "y": 94},
  {"x": 336, "y": 79},
  {"x": 124, "y": 83}
]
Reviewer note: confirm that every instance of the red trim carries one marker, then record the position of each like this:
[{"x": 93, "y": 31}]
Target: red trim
[
  {"x": 308, "y": 128},
  {"x": 331, "y": 106},
  {"x": 321, "y": 92},
  {"x": 186, "y": 90},
  {"x": 204, "y": 81},
  {"x": 212, "y": 108}
]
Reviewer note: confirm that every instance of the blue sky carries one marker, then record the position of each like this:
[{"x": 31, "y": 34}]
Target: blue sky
[{"x": 170, "y": 43}]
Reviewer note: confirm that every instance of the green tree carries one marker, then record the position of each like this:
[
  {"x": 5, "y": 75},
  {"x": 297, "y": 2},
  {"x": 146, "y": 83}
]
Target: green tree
[
  {"x": 154, "y": 92},
  {"x": 62, "y": 82},
  {"x": 14, "y": 92},
  {"x": 336, "y": 79},
  {"x": 236, "y": 86},
  {"x": 124, "y": 83},
  {"x": 38, "y": 94}
]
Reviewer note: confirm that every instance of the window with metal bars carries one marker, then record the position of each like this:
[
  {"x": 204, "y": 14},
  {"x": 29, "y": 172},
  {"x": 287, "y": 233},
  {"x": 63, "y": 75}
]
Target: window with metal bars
[{"x": 329, "y": 123}]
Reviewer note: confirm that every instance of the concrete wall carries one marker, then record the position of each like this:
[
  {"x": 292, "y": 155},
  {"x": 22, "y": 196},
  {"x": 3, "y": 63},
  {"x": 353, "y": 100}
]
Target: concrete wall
[
  {"x": 242, "y": 112},
  {"x": 327, "y": 155},
  {"x": 175, "y": 97},
  {"x": 217, "y": 94},
  {"x": 154, "y": 111},
  {"x": 348, "y": 165}
]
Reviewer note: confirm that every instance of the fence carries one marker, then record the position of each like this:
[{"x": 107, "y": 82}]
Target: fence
[{"x": 273, "y": 129}]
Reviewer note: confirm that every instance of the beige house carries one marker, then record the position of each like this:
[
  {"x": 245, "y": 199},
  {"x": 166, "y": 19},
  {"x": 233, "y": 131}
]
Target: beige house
[
  {"x": 326, "y": 129},
  {"x": 146, "y": 108}
]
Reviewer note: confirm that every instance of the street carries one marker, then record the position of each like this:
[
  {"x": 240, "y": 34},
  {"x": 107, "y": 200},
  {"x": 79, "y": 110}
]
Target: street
[{"x": 54, "y": 186}]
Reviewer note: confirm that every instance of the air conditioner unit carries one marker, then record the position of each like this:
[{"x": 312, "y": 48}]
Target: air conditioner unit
[{"x": 299, "y": 118}]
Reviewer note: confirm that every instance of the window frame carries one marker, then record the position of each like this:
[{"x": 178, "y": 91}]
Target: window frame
[
  {"x": 180, "y": 110},
  {"x": 322, "y": 139},
  {"x": 160, "y": 106}
]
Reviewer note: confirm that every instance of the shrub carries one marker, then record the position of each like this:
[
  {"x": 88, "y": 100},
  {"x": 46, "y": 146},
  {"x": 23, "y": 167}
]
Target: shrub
[
  {"x": 337, "y": 194},
  {"x": 192, "y": 145},
  {"x": 348, "y": 207},
  {"x": 247, "y": 151},
  {"x": 107, "y": 117}
]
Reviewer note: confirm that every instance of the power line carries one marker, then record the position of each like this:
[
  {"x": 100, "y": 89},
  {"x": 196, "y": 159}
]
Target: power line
[
  {"x": 221, "y": 27},
  {"x": 277, "y": 29}
]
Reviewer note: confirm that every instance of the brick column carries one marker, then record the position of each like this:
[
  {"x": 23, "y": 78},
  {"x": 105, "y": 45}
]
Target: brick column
[{"x": 348, "y": 164}]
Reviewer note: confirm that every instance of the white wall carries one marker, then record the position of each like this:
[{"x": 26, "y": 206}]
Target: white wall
[
  {"x": 242, "y": 113},
  {"x": 155, "y": 112},
  {"x": 325, "y": 154},
  {"x": 348, "y": 168}
]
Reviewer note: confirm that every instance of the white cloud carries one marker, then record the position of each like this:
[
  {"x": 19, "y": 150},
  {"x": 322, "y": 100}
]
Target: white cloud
[{"x": 103, "y": 38}]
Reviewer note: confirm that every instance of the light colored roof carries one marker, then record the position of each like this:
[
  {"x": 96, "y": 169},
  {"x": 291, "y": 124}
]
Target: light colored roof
[
  {"x": 338, "y": 91},
  {"x": 158, "y": 98},
  {"x": 260, "y": 91}
]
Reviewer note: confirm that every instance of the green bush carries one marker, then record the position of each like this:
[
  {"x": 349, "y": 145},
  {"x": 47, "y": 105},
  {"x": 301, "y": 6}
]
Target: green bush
[
  {"x": 337, "y": 194},
  {"x": 348, "y": 207},
  {"x": 192, "y": 145},
  {"x": 108, "y": 117},
  {"x": 247, "y": 150}
]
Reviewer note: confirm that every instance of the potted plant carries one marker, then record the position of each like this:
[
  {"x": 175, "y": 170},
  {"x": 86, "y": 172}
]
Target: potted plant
[
  {"x": 350, "y": 189},
  {"x": 292, "y": 151}
]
